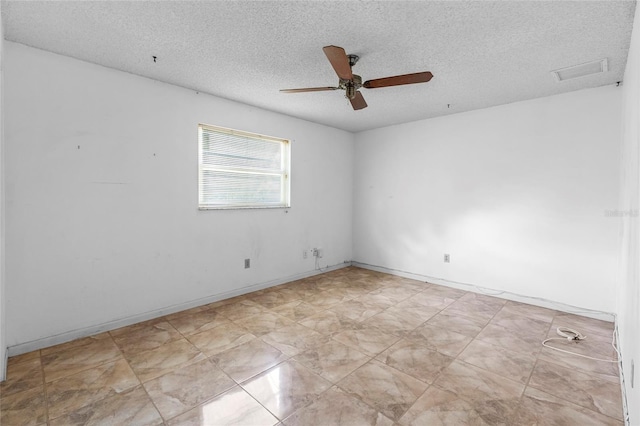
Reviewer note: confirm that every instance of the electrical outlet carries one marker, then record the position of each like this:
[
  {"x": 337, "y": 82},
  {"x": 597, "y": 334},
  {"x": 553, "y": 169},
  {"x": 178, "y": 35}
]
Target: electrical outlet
[
  {"x": 304, "y": 254},
  {"x": 447, "y": 258},
  {"x": 247, "y": 263},
  {"x": 320, "y": 253},
  {"x": 314, "y": 252}
]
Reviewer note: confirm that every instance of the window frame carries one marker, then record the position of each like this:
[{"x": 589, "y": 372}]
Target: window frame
[{"x": 284, "y": 173}]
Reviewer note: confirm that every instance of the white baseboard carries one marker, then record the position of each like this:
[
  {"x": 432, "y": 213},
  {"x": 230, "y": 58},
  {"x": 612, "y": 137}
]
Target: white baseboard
[
  {"x": 544, "y": 303},
  {"x": 123, "y": 322}
]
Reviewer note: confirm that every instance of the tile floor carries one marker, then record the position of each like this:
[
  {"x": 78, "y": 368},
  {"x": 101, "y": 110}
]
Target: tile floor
[{"x": 349, "y": 347}]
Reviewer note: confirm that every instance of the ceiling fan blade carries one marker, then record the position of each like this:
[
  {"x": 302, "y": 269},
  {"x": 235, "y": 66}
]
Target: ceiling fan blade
[
  {"x": 358, "y": 102},
  {"x": 339, "y": 61},
  {"x": 399, "y": 80},
  {"x": 309, "y": 89}
]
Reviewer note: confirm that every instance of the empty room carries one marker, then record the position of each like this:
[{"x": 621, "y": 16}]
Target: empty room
[{"x": 319, "y": 213}]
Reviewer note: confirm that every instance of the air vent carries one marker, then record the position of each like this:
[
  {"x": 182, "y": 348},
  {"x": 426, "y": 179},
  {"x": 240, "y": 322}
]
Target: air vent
[{"x": 582, "y": 70}]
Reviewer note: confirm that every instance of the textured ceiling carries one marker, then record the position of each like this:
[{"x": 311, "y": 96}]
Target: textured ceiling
[{"x": 481, "y": 53}]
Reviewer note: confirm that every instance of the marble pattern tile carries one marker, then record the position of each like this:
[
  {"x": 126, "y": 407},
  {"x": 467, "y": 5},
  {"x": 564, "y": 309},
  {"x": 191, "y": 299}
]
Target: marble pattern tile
[
  {"x": 220, "y": 339},
  {"x": 161, "y": 360},
  {"x": 17, "y": 359},
  {"x": 512, "y": 365},
  {"x": 293, "y": 339},
  {"x": 74, "y": 343},
  {"x": 437, "y": 407},
  {"x": 181, "y": 390},
  {"x": 517, "y": 323},
  {"x": 234, "y": 407},
  {"x": 474, "y": 310},
  {"x": 198, "y": 321},
  {"x": 494, "y": 397},
  {"x": 264, "y": 323},
  {"x": 131, "y": 407},
  {"x": 297, "y": 310},
  {"x": 26, "y": 408},
  {"x": 508, "y": 339},
  {"x": 241, "y": 309},
  {"x": 86, "y": 387},
  {"x": 467, "y": 325},
  {"x": 75, "y": 359},
  {"x": 368, "y": 340},
  {"x": 335, "y": 407},
  {"x": 530, "y": 311},
  {"x": 411, "y": 353},
  {"x": 22, "y": 376},
  {"x": 599, "y": 393},
  {"x": 541, "y": 408},
  {"x": 441, "y": 339},
  {"x": 328, "y": 322},
  {"x": 146, "y": 338},
  {"x": 399, "y": 321},
  {"x": 357, "y": 309},
  {"x": 248, "y": 360},
  {"x": 413, "y": 357},
  {"x": 286, "y": 387},
  {"x": 333, "y": 360},
  {"x": 384, "y": 388},
  {"x": 430, "y": 299}
]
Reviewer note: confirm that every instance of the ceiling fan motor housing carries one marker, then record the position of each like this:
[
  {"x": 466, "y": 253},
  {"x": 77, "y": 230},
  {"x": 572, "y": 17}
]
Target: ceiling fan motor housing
[{"x": 351, "y": 86}]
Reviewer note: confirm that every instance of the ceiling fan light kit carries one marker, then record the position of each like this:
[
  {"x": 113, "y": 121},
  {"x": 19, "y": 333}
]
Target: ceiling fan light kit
[{"x": 351, "y": 83}]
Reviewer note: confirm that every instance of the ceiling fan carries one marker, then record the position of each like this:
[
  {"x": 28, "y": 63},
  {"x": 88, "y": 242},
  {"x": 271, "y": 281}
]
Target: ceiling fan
[{"x": 350, "y": 83}]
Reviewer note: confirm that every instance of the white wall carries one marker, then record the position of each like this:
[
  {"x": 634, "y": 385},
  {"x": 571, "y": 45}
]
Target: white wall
[
  {"x": 3, "y": 346},
  {"x": 629, "y": 288},
  {"x": 516, "y": 194},
  {"x": 102, "y": 218}
]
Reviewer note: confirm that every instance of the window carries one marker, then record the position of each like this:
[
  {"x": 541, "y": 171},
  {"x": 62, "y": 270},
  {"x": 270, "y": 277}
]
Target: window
[{"x": 241, "y": 170}]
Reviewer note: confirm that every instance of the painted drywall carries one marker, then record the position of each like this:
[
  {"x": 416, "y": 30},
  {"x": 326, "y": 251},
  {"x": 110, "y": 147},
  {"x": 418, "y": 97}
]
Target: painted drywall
[
  {"x": 3, "y": 346},
  {"x": 517, "y": 195},
  {"x": 629, "y": 287},
  {"x": 102, "y": 218}
]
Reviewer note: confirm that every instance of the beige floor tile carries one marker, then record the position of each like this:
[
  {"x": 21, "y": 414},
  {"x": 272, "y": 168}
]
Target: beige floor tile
[
  {"x": 131, "y": 407},
  {"x": 494, "y": 397},
  {"x": 86, "y": 387},
  {"x": 161, "y": 360},
  {"x": 386, "y": 389},
  {"x": 17, "y": 359},
  {"x": 75, "y": 359},
  {"x": 517, "y": 323},
  {"x": 510, "y": 364},
  {"x": 530, "y": 311},
  {"x": 472, "y": 309},
  {"x": 329, "y": 323},
  {"x": 441, "y": 408},
  {"x": 234, "y": 407},
  {"x": 74, "y": 343},
  {"x": 468, "y": 325},
  {"x": 297, "y": 310},
  {"x": 413, "y": 357},
  {"x": 142, "y": 339},
  {"x": 368, "y": 340},
  {"x": 198, "y": 321},
  {"x": 441, "y": 339},
  {"x": 431, "y": 299},
  {"x": 249, "y": 359},
  {"x": 241, "y": 309},
  {"x": 182, "y": 389},
  {"x": 399, "y": 321},
  {"x": 333, "y": 360},
  {"x": 335, "y": 407},
  {"x": 511, "y": 340},
  {"x": 541, "y": 408},
  {"x": 448, "y": 292},
  {"x": 26, "y": 408},
  {"x": 293, "y": 339},
  {"x": 596, "y": 392},
  {"x": 286, "y": 387},
  {"x": 220, "y": 339},
  {"x": 22, "y": 376},
  {"x": 264, "y": 323}
]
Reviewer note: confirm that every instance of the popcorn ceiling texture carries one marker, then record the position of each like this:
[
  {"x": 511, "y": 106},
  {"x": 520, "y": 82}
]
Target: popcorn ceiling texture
[{"x": 481, "y": 53}]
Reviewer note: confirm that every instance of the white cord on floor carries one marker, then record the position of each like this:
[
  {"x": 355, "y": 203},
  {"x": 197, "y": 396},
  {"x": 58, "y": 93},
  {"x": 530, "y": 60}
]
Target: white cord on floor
[{"x": 570, "y": 335}]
